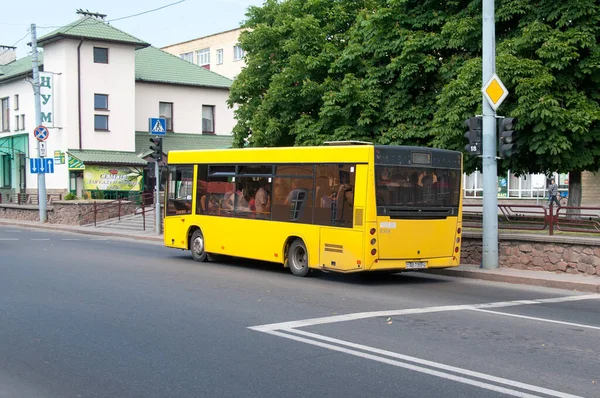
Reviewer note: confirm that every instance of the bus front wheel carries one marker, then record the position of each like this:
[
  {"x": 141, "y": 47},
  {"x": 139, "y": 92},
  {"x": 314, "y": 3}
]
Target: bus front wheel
[
  {"x": 197, "y": 246},
  {"x": 297, "y": 258}
]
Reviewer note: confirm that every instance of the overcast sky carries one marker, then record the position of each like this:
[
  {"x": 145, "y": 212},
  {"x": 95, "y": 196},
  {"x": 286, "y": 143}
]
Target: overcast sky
[{"x": 180, "y": 22}]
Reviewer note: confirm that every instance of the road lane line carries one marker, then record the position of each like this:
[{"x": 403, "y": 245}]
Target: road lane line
[
  {"x": 413, "y": 311},
  {"x": 533, "y": 318},
  {"x": 431, "y": 372},
  {"x": 39, "y": 239},
  {"x": 9, "y": 239},
  {"x": 70, "y": 239},
  {"x": 461, "y": 371}
]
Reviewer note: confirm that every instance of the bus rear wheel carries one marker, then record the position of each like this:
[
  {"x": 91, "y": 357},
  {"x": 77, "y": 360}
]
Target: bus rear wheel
[
  {"x": 297, "y": 258},
  {"x": 197, "y": 246}
]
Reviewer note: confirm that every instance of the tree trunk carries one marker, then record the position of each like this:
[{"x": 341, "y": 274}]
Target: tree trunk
[{"x": 574, "y": 192}]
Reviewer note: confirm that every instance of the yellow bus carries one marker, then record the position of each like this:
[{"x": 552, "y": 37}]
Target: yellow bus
[{"x": 343, "y": 206}]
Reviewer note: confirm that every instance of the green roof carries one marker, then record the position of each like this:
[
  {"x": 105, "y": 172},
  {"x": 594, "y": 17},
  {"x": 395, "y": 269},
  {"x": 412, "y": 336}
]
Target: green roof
[
  {"x": 19, "y": 67},
  {"x": 157, "y": 66},
  {"x": 91, "y": 28},
  {"x": 107, "y": 157},
  {"x": 179, "y": 141}
]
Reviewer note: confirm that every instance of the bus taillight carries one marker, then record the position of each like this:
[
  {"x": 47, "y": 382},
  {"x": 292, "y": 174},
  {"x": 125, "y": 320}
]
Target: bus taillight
[
  {"x": 456, "y": 249},
  {"x": 458, "y": 231},
  {"x": 372, "y": 231},
  {"x": 373, "y": 252},
  {"x": 373, "y": 241}
]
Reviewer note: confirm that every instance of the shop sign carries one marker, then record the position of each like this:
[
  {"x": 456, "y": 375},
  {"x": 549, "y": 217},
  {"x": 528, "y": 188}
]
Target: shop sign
[{"x": 106, "y": 178}]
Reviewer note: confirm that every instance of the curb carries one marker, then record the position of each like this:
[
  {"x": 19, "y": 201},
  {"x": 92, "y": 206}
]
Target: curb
[
  {"x": 591, "y": 287},
  {"x": 54, "y": 227}
]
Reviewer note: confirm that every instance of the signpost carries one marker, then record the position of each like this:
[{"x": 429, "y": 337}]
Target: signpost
[
  {"x": 157, "y": 126},
  {"x": 41, "y": 166}
]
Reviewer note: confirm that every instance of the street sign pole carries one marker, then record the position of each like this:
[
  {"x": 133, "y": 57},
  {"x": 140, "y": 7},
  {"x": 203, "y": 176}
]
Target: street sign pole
[
  {"x": 37, "y": 101},
  {"x": 490, "y": 169},
  {"x": 157, "y": 127},
  {"x": 157, "y": 214}
]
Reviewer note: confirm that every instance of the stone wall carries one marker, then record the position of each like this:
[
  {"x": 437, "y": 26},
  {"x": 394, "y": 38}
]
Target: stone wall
[
  {"x": 76, "y": 212},
  {"x": 539, "y": 253}
]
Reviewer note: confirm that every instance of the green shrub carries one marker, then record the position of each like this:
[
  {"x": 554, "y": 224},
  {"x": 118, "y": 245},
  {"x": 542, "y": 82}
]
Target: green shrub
[{"x": 70, "y": 196}]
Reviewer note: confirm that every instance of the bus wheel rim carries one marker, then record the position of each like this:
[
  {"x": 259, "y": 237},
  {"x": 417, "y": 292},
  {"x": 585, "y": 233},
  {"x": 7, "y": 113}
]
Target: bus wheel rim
[
  {"x": 198, "y": 245},
  {"x": 299, "y": 258}
]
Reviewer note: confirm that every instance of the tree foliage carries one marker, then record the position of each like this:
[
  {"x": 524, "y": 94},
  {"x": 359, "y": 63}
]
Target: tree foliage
[{"x": 409, "y": 72}]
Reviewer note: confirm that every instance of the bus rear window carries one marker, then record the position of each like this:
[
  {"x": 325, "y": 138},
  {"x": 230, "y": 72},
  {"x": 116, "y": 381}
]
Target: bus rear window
[{"x": 400, "y": 186}]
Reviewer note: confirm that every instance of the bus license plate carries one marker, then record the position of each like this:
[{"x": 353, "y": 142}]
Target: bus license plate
[{"x": 416, "y": 265}]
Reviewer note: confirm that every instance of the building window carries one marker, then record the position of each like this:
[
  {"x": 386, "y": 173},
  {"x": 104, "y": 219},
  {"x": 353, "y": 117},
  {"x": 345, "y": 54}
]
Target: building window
[
  {"x": 203, "y": 57},
  {"x": 208, "y": 119},
  {"x": 187, "y": 57},
  {"x": 100, "y": 55},
  {"x": 101, "y": 122},
  {"x": 17, "y": 127},
  {"x": 16, "y": 102},
  {"x": 220, "y": 56},
  {"x": 5, "y": 115},
  {"x": 101, "y": 101},
  {"x": 22, "y": 122},
  {"x": 238, "y": 53},
  {"x": 165, "y": 110},
  {"x": 6, "y": 171}
]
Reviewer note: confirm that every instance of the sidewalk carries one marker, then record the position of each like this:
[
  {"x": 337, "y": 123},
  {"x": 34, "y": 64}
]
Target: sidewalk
[
  {"x": 581, "y": 283},
  {"x": 147, "y": 235}
]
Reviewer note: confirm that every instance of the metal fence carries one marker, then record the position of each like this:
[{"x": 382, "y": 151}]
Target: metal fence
[
  {"x": 115, "y": 209},
  {"x": 537, "y": 218}
]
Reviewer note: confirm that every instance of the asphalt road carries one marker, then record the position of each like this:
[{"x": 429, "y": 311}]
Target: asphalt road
[{"x": 83, "y": 316}]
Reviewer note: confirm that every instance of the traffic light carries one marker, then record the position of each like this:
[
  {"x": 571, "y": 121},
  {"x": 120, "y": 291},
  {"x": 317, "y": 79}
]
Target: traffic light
[
  {"x": 507, "y": 137},
  {"x": 157, "y": 148},
  {"x": 474, "y": 124}
]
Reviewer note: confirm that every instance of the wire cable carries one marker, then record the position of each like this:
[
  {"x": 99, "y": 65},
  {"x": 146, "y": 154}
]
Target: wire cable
[{"x": 146, "y": 12}]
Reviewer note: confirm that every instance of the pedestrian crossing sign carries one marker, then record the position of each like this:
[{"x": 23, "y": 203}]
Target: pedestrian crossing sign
[{"x": 158, "y": 126}]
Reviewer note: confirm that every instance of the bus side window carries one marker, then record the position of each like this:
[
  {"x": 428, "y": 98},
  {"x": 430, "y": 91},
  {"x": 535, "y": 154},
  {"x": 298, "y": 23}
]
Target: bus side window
[{"x": 179, "y": 197}]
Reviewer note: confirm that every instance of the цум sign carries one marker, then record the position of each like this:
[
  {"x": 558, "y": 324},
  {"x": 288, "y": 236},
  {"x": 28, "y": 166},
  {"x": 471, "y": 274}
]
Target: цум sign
[{"x": 47, "y": 98}]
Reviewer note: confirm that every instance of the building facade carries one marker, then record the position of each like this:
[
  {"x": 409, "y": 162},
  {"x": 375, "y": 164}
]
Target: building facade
[
  {"x": 219, "y": 52},
  {"x": 99, "y": 86}
]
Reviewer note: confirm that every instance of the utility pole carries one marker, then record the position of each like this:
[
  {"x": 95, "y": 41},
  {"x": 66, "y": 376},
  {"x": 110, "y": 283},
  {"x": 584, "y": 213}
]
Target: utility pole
[
  {"x": 490, "y": 169},
  {"x": 37, "y": 101}
]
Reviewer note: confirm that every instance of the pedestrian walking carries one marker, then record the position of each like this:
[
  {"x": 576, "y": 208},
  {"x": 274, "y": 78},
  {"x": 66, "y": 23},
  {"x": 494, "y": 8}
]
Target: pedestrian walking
[{"x": 553, "y": 193}]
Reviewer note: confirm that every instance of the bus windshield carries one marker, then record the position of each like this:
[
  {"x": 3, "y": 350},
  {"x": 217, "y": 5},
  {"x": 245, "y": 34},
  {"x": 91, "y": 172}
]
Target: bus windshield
[{"x": 416, "y": 187}]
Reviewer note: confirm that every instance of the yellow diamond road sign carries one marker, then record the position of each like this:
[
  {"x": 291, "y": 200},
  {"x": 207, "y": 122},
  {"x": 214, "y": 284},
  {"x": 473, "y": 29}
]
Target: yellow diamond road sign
[{"x": 494, "y": 91}]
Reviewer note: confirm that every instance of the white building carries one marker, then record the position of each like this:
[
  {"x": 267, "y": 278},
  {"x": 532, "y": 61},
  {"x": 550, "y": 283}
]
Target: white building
[
  {"x": 219, "y": 52},
  {"x": 99, "y": 87}
]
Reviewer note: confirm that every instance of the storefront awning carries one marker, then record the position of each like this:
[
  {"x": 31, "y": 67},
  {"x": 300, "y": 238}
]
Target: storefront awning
[
  {"x": 14, "y": 144},
  {"x": 79, "y": 158}
]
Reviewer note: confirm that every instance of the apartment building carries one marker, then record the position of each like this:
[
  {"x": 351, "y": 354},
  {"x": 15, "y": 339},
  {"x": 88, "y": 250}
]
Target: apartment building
[{"x": 219, "y": 52}]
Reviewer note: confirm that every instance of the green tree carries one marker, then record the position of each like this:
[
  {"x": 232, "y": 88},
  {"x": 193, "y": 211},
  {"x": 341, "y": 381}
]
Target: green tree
[{"x": 409, "y": 72}]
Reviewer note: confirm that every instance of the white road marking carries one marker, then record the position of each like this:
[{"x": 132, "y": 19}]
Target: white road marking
[
  {"x": 461, "y": 371},
  {"x": 412, "y": 311},
  {"x": 9, "y": 239},
  {"x": 70, "y": 239},
  {"x": 288, "y": 330},
  {"x": 100, "y": 240},
  {"x": 405, "y": 365},
  {"x": 533, "y": 318},
  {"x": 40, "y": 239}
]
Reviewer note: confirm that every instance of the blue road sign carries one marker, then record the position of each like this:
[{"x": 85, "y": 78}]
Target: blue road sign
[
  {"x": 41, "y": 133},
  {"x": 41, "y": 165},
  {"x": 157, "y": 126}
]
